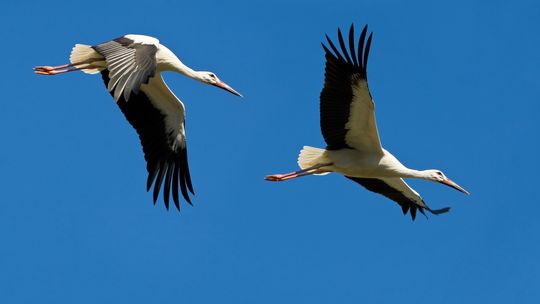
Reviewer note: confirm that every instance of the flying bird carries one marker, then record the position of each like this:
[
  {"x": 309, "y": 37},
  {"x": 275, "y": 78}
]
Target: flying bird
[
  {"x": 347, "y": 114},
  {"x": 131, "y": 68}
]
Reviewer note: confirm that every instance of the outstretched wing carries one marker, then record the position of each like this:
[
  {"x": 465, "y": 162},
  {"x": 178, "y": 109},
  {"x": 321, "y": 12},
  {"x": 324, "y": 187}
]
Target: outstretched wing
[
  {"x": 346, "y": 106},
  {"x": 397, "y": 190},
  {"x": 158, "y": 117},
  {"x": 131, "y": 61}
]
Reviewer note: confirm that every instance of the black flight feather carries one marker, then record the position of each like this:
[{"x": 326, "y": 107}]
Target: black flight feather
[
  {"x": 163, "y": 158},
  {"x": 351, "y": 45},
  {"x": 379, "y": 186}
]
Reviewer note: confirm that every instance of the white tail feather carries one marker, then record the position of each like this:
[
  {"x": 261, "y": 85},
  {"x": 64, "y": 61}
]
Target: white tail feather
[
  {"x": 311, "y": 156},
  {"x": 84, "y": 53}
]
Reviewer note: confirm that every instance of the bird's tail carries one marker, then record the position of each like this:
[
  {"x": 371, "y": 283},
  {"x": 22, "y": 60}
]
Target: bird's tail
[
  {"x": 311, "y": 156},
  {"x": 82, "y": 54}
]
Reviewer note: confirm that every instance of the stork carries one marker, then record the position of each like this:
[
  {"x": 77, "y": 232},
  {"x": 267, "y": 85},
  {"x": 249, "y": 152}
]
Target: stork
[
  {"x": 131, "y": 68},
  {"x": 347, "y": 114}
]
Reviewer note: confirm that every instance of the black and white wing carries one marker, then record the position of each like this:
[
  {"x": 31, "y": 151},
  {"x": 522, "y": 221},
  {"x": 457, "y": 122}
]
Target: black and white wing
[
  {"x": 159, "y": 123},
  {"x": 131, "y": 61},
  {"x": 346, "y": 106},
  {"x": 397, "y": 190},
  {"x": 153, "y": 110}
]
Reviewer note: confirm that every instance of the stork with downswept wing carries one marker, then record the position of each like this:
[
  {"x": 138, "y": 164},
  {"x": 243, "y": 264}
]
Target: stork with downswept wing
[{"x": 131, "y": 68}]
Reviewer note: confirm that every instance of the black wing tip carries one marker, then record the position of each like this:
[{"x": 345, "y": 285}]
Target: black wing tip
[
  {"x": 413, "y": 212},
  {"x": 438, "y": 211},
  {"x": 421, "y": 210},
  {"x": 326, "y": 50},
  {"x": 344, "y": 48},
  {"x": 413, "y": 209},
  {"x": 176, "y": 201},
  {"x": 335, "y": 53},
  {"x": 357, "y": 61},
  {"x": 185, "y": 177},
  {"x": 167, "y": 177},
  {"x": 407, "y": 204},
  {"x": 351, "y": 45},
  {"x": 366, "y": 53},
  {"x": 404, "y": 208},
  {"x": 187, "y": 198}
]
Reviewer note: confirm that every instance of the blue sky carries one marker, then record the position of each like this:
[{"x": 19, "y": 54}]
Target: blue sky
[{"x": 456, "y": 88}]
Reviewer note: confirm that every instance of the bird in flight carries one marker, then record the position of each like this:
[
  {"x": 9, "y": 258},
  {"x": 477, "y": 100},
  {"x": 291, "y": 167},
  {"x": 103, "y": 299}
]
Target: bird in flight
[
  {"x": 131, "y": 68},
  {"x": 347, "y": 114}
]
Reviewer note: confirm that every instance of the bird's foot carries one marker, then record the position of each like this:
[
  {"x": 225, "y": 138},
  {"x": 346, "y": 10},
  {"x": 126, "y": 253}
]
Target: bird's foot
[
  {"x": 282, "y": 177},
  {"x": 43, "y": 68},
  {"x": 279, "y": 177},
  {"x": 53, "y": 70},
  {"x": 47, "y": 70},
  {"x": 274, "y": 177}
]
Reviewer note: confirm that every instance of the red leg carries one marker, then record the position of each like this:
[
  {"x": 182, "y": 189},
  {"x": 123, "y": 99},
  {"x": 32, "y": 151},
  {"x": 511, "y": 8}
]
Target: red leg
[
  {"x": 59, "y": 69},
  {"x": 295, "y": 174},
  {"x": 50, "y": 68},
  {"x": 51, "y": 71}
]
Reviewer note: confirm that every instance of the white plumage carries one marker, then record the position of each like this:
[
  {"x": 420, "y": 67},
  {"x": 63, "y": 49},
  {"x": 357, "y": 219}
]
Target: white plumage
[
  {"x": 131, "y": 68},
  {"x": 350, "y": 130}
]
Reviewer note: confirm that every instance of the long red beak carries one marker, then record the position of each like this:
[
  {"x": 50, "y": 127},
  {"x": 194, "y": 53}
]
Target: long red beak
[
  {"x": 226, "y": 87},
  {"x": 450, "y": 183}
]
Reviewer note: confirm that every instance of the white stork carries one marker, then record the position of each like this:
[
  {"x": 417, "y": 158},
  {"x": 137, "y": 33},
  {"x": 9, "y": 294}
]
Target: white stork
[
  {"x": 350, "y": 131},
  {"x": 131, "y": 68}
]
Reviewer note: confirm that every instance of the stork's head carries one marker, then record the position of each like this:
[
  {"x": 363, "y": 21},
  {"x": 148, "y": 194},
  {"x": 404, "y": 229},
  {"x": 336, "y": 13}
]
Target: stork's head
[
  {"x": 211, "y": 78},
  {"x": 438, "y": 176}
]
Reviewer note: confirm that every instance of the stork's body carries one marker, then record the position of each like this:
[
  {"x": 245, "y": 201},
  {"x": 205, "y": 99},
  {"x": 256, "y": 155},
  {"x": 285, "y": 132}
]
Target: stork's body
[
  {"x": 131, "y": 68},
  {"x": 349, "y": 128}
]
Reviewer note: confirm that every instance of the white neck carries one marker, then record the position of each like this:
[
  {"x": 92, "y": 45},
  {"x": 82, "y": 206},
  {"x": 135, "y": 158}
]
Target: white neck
[
  {"x": 167, "y": 61},
  {"x": 183, "y": 69},
  {"x": 411, "y": 173}
]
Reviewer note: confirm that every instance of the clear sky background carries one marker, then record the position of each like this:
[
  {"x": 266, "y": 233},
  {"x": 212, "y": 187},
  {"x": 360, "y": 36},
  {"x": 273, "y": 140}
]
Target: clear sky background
[{"x": 456, "y": 88}]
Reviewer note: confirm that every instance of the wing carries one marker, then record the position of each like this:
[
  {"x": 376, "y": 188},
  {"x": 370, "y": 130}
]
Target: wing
[
  {"x": 397, "y": 190},
  {"x": 347, "y": 109},
  {"x": 130, "y": 64},
  {"x": 158, "y": 117}
]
